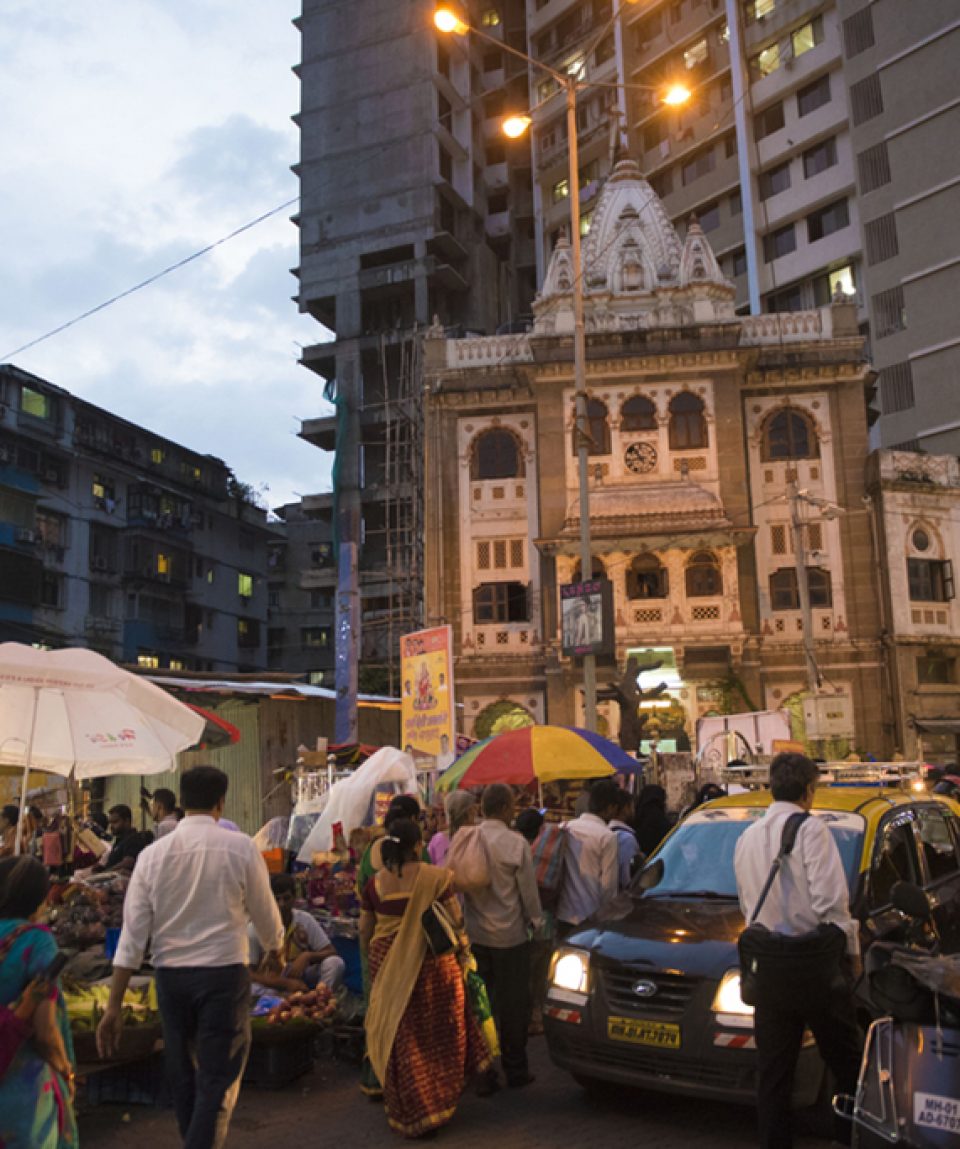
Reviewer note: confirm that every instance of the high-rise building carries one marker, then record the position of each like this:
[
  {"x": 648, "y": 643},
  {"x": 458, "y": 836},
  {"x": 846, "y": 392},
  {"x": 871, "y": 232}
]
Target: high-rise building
[{"x": 413, "y": 206}]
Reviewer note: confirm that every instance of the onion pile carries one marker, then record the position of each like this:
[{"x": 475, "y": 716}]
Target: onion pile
[{"x": 315, "y": 1005}]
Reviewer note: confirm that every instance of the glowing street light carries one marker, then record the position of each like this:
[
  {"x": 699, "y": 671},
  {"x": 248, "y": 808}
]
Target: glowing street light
[
  {"x": 676, "y": 96},
  {"x": 447, "y": 20},
  {"x": 515, "y": 126}
]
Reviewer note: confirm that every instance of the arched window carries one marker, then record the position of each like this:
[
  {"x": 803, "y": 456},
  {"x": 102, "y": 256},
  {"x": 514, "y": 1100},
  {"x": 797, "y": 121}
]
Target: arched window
[
  {"x": 785, "y": 594},
  {"x": 789, "y": 435},
  {"x": 496, "y": 455},
  {"x": 703, "y": 576},
  {"x": 647, "y": 578},
  {"x": 688, "y": 427},
  {"x": 598, "y": 429},
  {"x": 638, "y": 414},
  {"x": 598, "y": 570}
]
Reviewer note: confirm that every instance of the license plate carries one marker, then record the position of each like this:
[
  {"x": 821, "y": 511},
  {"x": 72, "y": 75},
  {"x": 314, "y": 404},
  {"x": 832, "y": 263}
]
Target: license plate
[{"x": 663, "y": 1034}]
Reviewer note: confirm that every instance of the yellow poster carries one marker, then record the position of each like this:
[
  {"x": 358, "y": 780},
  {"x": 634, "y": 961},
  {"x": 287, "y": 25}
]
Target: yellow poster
[{"x": 427, "y": 711}]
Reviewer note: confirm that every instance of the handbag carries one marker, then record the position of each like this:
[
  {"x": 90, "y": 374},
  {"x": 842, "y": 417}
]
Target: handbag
[
  {"x": 438, "y": 928},
  {"x": 469, "y": 860},
  {"x": 763, "y": 950}
]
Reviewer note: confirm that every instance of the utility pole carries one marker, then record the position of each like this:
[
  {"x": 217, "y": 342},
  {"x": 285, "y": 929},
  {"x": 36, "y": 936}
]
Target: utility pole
[{"x": 803, "y": 589}]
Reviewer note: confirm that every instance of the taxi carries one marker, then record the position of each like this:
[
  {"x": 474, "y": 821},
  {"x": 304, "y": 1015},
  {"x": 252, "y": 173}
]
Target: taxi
[{"x": 647, "y": 993}]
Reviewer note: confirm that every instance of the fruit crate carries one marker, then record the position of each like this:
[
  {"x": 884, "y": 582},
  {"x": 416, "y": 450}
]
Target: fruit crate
[{"x": 277, "y": 1060}]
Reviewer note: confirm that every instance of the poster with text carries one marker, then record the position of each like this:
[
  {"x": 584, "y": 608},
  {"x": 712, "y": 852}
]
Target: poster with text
[{"x": 427, "y": 712}]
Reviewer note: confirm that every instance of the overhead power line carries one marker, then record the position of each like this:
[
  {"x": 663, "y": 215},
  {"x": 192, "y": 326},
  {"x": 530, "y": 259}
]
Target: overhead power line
[{"x": 152, "y": 279}]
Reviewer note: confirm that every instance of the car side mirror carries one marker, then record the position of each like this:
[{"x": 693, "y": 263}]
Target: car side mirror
[
  {"x": 650, "y": 876},
  {"x": 910, "y": 899}
]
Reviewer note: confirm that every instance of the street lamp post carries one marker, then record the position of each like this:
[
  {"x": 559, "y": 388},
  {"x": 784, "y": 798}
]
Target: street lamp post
[{"x": 447, "y": 20}]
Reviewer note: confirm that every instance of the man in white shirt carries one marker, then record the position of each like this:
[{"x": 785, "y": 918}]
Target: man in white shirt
[
  {"x": 591, "y": 862},
  {"x": 499, "y": 921},
  {"x": 163, "y": 808},
  {"x": 190, "y": 898},
  {"x": 628, "y": 848},
  {"x": 308, "y": 956},
  {"x": 809, "y": 891}
]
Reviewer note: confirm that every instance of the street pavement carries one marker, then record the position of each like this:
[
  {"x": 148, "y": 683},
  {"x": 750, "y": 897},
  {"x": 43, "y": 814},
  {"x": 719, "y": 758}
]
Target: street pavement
[{"x": 326, "y": 1108}]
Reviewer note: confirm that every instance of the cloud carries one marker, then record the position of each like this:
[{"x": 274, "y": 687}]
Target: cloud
[{"x": 235, "y": 163}]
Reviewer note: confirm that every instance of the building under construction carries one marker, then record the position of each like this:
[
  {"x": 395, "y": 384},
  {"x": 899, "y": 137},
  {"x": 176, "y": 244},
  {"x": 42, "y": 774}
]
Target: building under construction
[{"x": 403, "y": 220}]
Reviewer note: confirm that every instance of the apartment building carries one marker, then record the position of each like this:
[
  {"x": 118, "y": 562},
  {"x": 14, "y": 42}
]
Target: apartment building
[
  {"x": 117, "y": 539},
  {"x": 905, "y": 128}
]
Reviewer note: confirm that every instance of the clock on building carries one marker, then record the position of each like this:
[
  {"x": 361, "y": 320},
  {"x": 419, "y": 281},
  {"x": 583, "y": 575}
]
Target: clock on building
[{"x": 641, "y": 458}]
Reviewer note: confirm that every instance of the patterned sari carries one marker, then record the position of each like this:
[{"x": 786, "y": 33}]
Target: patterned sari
[
  {"x": 35, "y": 1107},
  {"x": 438, "y": 1044}
]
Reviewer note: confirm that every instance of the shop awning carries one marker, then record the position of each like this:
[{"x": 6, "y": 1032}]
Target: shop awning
[{"x": 937, "y": 725}]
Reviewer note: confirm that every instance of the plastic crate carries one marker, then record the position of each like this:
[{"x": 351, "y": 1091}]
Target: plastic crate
[
  {"x": 135, "y": 1083},
  {"x": 273, "y": 1064},
  {"x": 349, "y": 949}
]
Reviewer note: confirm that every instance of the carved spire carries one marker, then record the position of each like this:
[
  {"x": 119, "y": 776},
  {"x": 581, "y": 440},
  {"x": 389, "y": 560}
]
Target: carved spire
[{"x": 698, "y": 264}]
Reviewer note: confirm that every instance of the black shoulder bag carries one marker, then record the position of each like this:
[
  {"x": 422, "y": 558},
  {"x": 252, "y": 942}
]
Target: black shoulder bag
[{"x": 764, "y": 952}]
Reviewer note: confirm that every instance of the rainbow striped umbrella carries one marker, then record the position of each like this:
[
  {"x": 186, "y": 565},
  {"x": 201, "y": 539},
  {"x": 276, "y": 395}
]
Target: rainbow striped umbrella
[{"x": 537, "y": 754}]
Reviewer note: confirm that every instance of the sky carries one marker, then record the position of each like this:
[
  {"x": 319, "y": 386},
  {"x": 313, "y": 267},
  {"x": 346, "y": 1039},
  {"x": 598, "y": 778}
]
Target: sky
[{"x": 135, "y": 133}]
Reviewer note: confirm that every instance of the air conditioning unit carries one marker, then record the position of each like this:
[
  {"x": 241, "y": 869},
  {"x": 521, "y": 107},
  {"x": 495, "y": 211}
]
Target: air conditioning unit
[
  {"x": 97, "y": 563},
  {"x": 26, "y": 535}
]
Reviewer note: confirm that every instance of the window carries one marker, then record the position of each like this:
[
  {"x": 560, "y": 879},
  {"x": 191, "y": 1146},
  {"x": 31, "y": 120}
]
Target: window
[
  {"x": 920, "y": 540},
  {"x": 561, "y": 189},
  {"x": 675, "y": 12},
  {"x": 866, "y": 99},
  {"x": 663, "y": 183},
  {"x": 765, "y": 62},
  {"x": 35, "y": 403},
  {"x": 790, "y": 299},
  {"x": 702, "y": 164},
  {"x": 496, "y": 456},
  {"x": 730, "y": 145},
  {"x": 710, "y": 217},
  {"x": 785, "y": 593},
  {"x": 935, "y": 668},
  {"x": 896, "y": 392},
  {"x": 807, "y": 36},
  {"x": 789, "y": 435},
  {"x": 696, "y": 55},
  {"x": 736, "y": 203},
  {"x": 500, "y": 602},
  {"x": 889, "y": 315},
  {"x": 813, "y": 96},
  {"x": 755, "y": 10},
  {"x": 604, "y": 51},
  {"x": 444, "y": 111},
  {"x": 490, "y": 18},
  {"x": 881, "y": 238},
  {"x": 148, "y": 661},
  {"x": 828, "y": 288},
  {"x": 775, "y": 180},
  {"x": 858, "y": 32},
  {"x": 157, "y": 455},
  {"x": 638, "y": 414},
  {"x": 245, "y": 585},
  {"x": 492, "y": 61},
  {"x": 736, "y": 263},
  {"x": 51, "y": 590},
  {"x": 895, "y": 860},
  {"x": 248, "y": 632},
  {"x": 873, "y": 168},
  {"x": 703, "y": 576},
  {"x": 648, "y": 29},
  {"x": 498, "y": 202},
  {"x": 314, "y": 637},
  {"x": 930, "y": 580},
  {"x": 446, "y": 163},
  {"x": 647, "y": 578},
  {"x": 834, "y": 217},
  {"x": 768, "y": 121},
  {"x": 653, "y": 133},
  {"x": 779, "y": 243},
  {"x": 820, "y": 157},
  {"x": 936, "y": 843},
  {"x": 688, "y": 426},
  {"x": 597, "y": 570},
  {"x": 597, "y": 430}
]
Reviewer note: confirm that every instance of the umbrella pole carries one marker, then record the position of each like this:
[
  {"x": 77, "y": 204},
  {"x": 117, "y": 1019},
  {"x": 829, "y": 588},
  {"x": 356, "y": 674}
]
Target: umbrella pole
[{"x": 26, "y": 768}]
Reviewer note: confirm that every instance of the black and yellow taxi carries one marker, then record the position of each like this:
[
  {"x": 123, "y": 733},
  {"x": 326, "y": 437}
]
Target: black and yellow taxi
[{"x": 648, "y": 992}]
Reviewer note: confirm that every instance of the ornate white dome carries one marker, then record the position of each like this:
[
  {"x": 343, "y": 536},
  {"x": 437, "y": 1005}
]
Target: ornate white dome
[{"x": 636, "y": 272}]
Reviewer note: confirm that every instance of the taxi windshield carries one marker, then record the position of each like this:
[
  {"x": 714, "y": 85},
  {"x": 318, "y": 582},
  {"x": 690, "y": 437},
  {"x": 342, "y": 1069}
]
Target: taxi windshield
[{"x": 698, "y": 856}]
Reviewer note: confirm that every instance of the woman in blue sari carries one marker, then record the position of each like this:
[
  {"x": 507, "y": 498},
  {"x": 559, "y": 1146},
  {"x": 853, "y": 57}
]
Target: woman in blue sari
[{"x": 36, "y": 1091}]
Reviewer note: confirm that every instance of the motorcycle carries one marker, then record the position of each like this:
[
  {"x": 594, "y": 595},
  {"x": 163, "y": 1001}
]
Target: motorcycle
[{"x": 908, "y": 1093}]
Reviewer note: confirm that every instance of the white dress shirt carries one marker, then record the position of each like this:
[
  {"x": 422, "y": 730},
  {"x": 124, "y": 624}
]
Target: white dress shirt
[
  {"x": 191, "y": 896},
  {"x": 166, "y": 826},
  {"x": 591, "y": 868},
  {"x": 811, "y": 887},
  {"x": 499, "y": 915}
]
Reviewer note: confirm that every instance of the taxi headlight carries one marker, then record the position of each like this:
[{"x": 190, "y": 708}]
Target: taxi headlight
[
  {"x": 571, "y": 970},
  {"x": 728, "y": 999}
]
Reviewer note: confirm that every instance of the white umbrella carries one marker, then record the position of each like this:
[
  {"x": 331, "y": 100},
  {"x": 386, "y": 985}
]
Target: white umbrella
[{"x": 75, "y": 713}]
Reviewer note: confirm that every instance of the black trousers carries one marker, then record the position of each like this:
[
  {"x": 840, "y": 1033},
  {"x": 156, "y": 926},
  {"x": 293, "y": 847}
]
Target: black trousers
[
  {"x": 507, "y": 976},
  {"x": 825, "y": 1006},
  {"x": 206, "y": 1034}
]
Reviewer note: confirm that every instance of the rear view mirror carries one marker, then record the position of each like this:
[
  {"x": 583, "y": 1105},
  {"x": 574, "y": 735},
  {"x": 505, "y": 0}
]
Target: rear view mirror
[
  {"x": 650, "y": 876},
  {"x": 910, "y": 899}
]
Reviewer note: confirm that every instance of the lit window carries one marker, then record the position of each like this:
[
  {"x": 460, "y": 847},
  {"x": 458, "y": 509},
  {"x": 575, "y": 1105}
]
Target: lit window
[
  {"x": 561, "y": 189},
  {"x": 35, "y": 403},
  {"x": 696, "y": 55},
  {"x": 807, "y": 37},
  {"x": 157, "y": 455},
  {"x": 148, "y": 661},
  {"x": 245, "y": 585},
  {"x": 163, "y": 564},
  {"x": 767, "y": 61},
  {"x": 647, "y": 578},
  {"x": 842, "y": 279},
  {"x": 176, "y": 664},
  {"x": 586, "y": 220},
  {"x": 490, "y": 18}
]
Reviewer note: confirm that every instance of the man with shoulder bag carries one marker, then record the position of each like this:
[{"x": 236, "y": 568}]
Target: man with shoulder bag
[{"x": 800, "y": 951}]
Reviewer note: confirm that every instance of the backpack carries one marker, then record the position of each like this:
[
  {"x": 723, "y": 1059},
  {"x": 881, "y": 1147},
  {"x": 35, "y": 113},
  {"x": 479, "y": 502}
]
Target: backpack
[
  {"x": 468, "y": 859},
  {"x": 549, "y": 851}
]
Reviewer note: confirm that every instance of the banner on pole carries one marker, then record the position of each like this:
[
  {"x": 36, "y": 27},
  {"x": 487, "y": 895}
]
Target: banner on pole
[{"x": 427, "y": 709}]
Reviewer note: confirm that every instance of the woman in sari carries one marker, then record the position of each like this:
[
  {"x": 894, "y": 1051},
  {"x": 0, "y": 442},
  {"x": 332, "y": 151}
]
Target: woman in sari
[
  {"x": 422, "y": 1038},
  {"x": 36, "y": 1091}
]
